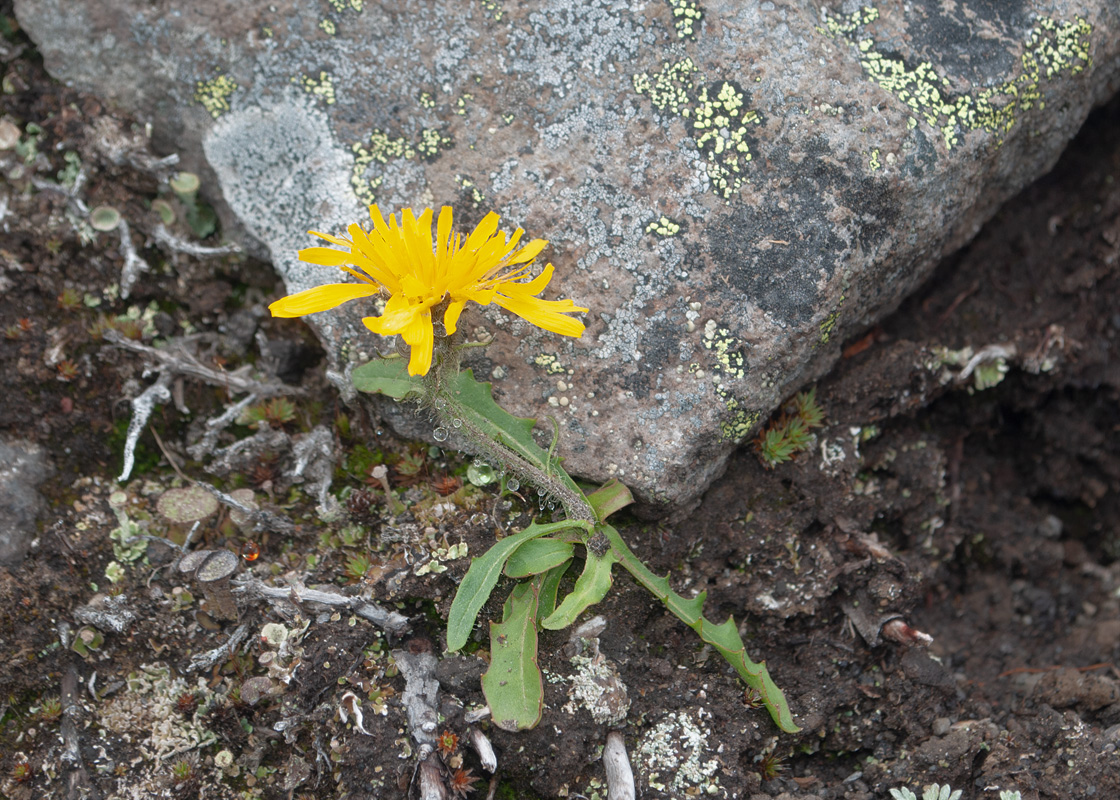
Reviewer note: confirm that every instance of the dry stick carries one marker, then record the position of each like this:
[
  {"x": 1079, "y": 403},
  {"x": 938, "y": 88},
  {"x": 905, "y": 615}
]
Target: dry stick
[
  {"x": 207, "y": 660},
  {"x": 173, "y": 242},
  {"x": 176, "y": 359},
  {"x": 262, "y": 520},
  {"x": 297, "y": 593},
  {"x": 167, "y": 455},
  {"x": 133, "y": 263},
  {"x": 142, "y": 408},
  {"x": 616, "y": 763},
  {"x": 78, "y": 782}
]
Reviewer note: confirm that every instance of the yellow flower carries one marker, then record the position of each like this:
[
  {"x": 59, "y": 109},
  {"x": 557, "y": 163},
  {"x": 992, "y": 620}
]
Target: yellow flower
[{"x": 486, "y": 267}]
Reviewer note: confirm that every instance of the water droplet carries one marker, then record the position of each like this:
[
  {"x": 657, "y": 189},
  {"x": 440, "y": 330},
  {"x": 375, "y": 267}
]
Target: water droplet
[
  {"x": 440, "y": 434},
  {"x": 458, "y": 423},
  {"x": 513, "y": 484},
  {"x": 480, "y": 473},
  {"x": 540, "y": 492}
]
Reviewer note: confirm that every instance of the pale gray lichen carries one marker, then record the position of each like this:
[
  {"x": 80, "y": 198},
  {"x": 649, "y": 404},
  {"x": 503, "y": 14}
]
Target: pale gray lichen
[
  {"x": 673, "y": 756},
  {"x": 147, "y": 708}
]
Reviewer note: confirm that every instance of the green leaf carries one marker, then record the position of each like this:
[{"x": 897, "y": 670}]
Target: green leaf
[
  {"x": 513, "y": 433},
  {"x": 483, "y": 575},
  {"x": 724, "y": 638},
  {"x": 537, "y": 556},
  {"x": 387, "y": 376},
  {"x": 512, "y": 685},
  {"x": 609, "y": 498},
  {"x": 550, "y": 586},
  {"x": 591, "y": 586}
]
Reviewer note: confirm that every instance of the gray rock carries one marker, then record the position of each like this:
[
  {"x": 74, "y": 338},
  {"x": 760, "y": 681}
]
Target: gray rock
[
  {"x": 23, "y": 467},
  {"x": 732, "y": 188}
]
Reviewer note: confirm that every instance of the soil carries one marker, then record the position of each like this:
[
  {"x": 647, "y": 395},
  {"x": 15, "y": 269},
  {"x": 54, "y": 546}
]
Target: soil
[{"x": 984, "y": 516}]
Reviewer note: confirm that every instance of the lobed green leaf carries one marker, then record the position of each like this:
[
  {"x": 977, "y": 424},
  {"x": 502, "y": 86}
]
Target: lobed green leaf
[
  {"x": 512, "y": 685},
  {"x": 724, "y": 637}
]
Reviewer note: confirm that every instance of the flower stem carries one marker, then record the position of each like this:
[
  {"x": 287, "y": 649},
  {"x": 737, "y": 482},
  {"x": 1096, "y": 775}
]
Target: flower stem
[{"x": 456, "y": 419}]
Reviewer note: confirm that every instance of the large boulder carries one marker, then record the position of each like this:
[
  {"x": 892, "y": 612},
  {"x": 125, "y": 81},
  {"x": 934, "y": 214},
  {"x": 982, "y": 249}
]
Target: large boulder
[{"x": 732, "y": 188}]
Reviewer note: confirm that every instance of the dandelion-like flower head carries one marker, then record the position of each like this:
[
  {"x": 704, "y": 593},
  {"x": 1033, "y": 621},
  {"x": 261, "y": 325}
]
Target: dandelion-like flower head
[{"x": 485, "y": 267}]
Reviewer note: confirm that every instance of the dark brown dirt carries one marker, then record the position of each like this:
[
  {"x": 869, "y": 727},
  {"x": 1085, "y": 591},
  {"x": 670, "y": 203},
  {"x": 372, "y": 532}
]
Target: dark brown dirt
[{"x": 984, "y": 518}]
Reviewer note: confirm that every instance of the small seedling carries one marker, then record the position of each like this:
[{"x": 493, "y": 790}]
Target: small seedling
[
  {"x": 357, "y": 567},
  {"x": 277, "y": 412},
  {"x": 130, "y": 328},
  {"x": 50, "y": 709},
  {"x": 22, "y": 772},
  {"x": 461, "y": 782},
  {"x": 69, "y": 300},
  {"x": 67, "y": 370},
  {"x": 770, "y": 766},
  {"x": 790, "y": 433},
  {"x": 447, "y": 744}
]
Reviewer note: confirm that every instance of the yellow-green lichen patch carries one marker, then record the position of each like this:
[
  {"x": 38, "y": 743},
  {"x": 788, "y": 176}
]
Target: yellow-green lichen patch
[
  {"x": 322, "y": 87},
  {"x": 493, "y": 8},
  {"x": 873, "y": 162},
  {"x": 725, "y": 349},
  {"x": 214, "y": 94},
  {"x": 664, "y": 226},
  {"x": 550, "y": 364},
  {"x": 829, "y": 322},
  {"x": 508, "y": 118},
  {"x": 729, "y": 363},
  {"x": 477, "y": 196},
  {"x": 461, "y": 104},
  {"x": 737, "y": 428},
  {"x": 342, "y": 5},
  {"x": 686, "y": 17},
  {"x": 716, "y": 116},
  {"x": 426, "y": 100},
  {"x": 383, "y": 148},
  {"x": 328, "y": 27},
  {"x": 1053, "y": 48}
]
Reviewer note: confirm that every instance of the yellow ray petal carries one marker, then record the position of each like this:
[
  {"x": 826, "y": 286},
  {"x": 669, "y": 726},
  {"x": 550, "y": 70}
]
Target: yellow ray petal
[
  {"x": 443, "y": 234},
  {"x": 451, "y": 316},
  {"x": 533, "y": 287},
  {"x": 421, "y": 338},
  {"x": 324, "y": 256},
  {"x": 320, "y": 298},
  {"x": 341, "y": 242},
  {"x": 546, "y": 314},
  {"x": 399, "y": 314},
  {"x": 482, "y": 232},
  {"x": 528, "y": 252}
]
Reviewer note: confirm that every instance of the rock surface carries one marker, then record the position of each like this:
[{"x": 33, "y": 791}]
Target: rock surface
[
  {"x": 732, "y": 188},
  {"x": 23, "y": 467}
]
